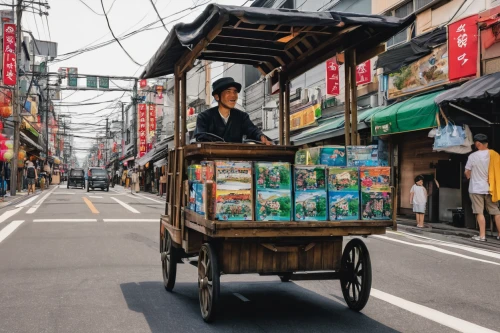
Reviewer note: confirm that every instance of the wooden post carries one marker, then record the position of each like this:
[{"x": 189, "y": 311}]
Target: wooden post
[
  {"x": 176, "y": 110},
  {"x": 347, "y": 102},
  {"x": 287, "y": 112},
  {"x": 354, "y": 99},
  {"x": 281, "y": 108},
  {"x": 183, "y": 109}
]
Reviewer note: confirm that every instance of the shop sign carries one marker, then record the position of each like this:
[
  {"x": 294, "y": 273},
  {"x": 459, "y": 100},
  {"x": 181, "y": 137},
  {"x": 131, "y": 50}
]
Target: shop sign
[
  {"x": 142, "y": 129},
  {"x": 463, "y": 48},
  {"x": 364, "y": 73},
  {"x": 104, "y": 82},
  {"x": 426, "y": 72},
  {"x": 305, "y": 117},
  {"x": 191, "y": 119},
  {"x": 152, "y": 119},
  {"x": 332, "y": 77},
  {"x": 9, "y": 55},
  {"x": 72, "y": 77},
  {"x": 143, "y": 84},
  {"x": 91, "y": 81}
]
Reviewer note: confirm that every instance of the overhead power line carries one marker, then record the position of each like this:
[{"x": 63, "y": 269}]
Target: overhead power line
[{"x": 157, "y": 13}]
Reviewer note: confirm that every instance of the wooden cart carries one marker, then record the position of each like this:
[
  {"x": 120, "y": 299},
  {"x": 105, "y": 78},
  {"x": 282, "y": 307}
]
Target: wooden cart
[{"x": 285, "y": 43}]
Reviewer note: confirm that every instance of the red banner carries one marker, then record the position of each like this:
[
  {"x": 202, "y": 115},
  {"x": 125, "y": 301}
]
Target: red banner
[
  {"x": 364, "y": 73},
  {"x": 143, "y": 84},
  {"x": 332, "y": 77},
  {"x": 9, "y": 54},
  {"x": 462, "y": 48},
  {"x": 142, "y": 129},
  {"x": 152, "y": 119}
]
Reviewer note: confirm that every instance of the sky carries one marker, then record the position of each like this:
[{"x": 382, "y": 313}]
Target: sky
[{"x": 74, "y": 26}]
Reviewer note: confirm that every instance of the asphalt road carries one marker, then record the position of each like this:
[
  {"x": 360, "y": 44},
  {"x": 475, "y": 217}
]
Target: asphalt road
[{"x": 72, "y": 261}]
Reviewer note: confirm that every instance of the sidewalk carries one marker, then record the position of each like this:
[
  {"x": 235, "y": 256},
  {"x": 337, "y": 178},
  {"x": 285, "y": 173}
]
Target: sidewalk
[
  {"x": 122, "y": 189},
  {"x": 409, "y": 225},
  {"x": 17, "y": 199}
]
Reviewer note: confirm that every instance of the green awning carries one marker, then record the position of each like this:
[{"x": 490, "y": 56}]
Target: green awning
[
  {"x": 416, "y": 113},
  {"x": 327, "y": 126},
  {"x": 367, "y": 114}
]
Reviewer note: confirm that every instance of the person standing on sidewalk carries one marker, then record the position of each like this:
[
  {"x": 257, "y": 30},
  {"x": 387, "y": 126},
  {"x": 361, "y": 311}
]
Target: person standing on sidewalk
[
  {"x": 31, "y": 175},
  {"x": 418, "y": 198},
  {"x": 476, "y": 170}
]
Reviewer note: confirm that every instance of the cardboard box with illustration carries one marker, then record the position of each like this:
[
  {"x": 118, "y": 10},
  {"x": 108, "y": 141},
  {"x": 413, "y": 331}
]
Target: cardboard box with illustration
[
  {"x": 375, "y": 179},
  {"x": 333, "y": 156},
  {"x": 311, "y": 206},
  {"x": 309, "y": 178},
  {"x": 343, "y": 179},
  {"x": 273, "y": 205},
  {"x": 234, "y": 205},
  {"x": 376, "y": 206},
  {"x": 273, "y": 176},
  {"x": 233, "y": 175},
  {"x": 343, "y": 206},
  {"x": 358, "y": 156}
]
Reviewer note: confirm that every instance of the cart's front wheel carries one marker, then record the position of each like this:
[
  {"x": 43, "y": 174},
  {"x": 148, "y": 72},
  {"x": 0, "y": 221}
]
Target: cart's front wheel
[
  {"x": 356, "y": 274},
  {"x": 168, "y": 262},
  {"x": 208, "y": 282}
]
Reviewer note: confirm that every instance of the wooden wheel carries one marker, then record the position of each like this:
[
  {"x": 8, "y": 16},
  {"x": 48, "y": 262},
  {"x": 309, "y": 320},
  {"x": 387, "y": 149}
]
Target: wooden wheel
[
  {"x": 168, "y": 262},
  {"x": 208, "y": 282},
  {"x": 285, "y": 277},
  {"x": 356, "y": 274}
]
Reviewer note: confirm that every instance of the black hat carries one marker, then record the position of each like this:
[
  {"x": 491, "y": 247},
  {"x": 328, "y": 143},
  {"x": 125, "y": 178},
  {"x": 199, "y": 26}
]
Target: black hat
[
  {"x": 483, "y": 138},
  {"x": 222, "y": 84}
]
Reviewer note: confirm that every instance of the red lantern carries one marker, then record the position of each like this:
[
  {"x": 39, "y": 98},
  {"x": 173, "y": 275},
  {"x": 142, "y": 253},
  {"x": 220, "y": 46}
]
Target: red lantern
[{"x": 5, "y": 111}]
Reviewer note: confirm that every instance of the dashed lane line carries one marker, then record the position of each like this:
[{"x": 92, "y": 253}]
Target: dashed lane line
[
  {"x": 431, "y": 314},
  {"x": 124, "y": 205},
  {"x": 144, "y": 197},
  {"x": 8, "y": 214},
  {"x": 10, "y": 228},
  {"x": 437, "y": 249},
  {"x": 63, "y": 220},
  {"x": 28, "y": 201},
  {"x": 40, "y": 202},
  {"x": 131, "y": 220},
  {"x": 90, "y": 205}
]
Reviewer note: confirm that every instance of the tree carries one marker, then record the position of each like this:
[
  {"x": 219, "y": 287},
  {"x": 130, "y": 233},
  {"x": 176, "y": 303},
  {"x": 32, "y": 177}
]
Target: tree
[
  {"x": 321, "y": 205},
  {"x": 285, "y": 205},
  {"x": 284, "y": 176},
  {"x": 353, "y": 207}
]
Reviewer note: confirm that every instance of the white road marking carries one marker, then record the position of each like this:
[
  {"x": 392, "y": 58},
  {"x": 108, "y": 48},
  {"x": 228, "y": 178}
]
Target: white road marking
[
  {"x": 437, "y": 249},
  {"x": 131, "y": 196},
  {"x": 150, "y": 199},
  {"x": 486, "y": 253},
  {"x": 93, "y": 196},
  {"x": 431, "y": 314},
  {"x": 131, "y": 220},
  {"x": 240, "y": 296},
  {"x": 124, "y": 205},
  {"x": 8, "y": 214},
  {"x": 39, "y": 202},
  {"x": 26, "y": 202},
  {"x": 64, "y": 193},
  {"x": 5, "y": 232},
  {"x": 64, "y": 220}
]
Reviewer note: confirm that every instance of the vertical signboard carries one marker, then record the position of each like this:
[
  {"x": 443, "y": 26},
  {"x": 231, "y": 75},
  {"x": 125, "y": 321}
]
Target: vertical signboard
[
  {"x": 9, "y": 55},
  {"x": 143, "y": 84},
  {"x": 73, "y": 77},
  {"x": 104, "y": 82},
  {"x": 142, "y": 129},
  {"x": 91, "y": 81},
  {"x": 152, "y": 119},
  {"x": 332, "y": 77},
  {"x": 364, "y": 73},
  {"x": 462, "y": 48}
]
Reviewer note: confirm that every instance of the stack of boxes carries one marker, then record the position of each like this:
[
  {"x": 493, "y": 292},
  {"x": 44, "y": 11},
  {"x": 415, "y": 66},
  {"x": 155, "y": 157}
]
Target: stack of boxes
[
  {"x": 273, "y": 191},
  {"x": 343, "y": 193},
  {"x": 310, "y": 193},
  {"x": 375, "y": 193},
  {"x": 234, "y": 191}
]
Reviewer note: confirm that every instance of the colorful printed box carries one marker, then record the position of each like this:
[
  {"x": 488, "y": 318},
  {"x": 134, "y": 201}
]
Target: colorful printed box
[
  {"x": 333, "y": 156},
  {"x": 308, "y": 156},
  {"x": 362, "y": 156},
  {"x": 192, "y": 195},
  {"x": 272, "y": 176},
  {"x": 375, "y": 179},
  {"x": 194, "y": 172},
  {"x": 376, "y": 206},
  {"x": 343, "y": 206},
  {"x": 234, "y": 205},
  {"x": 207, "y": 171},
  {"x": 343, "y": 179},
  {"x": 311, "y": 206},
  {"x": 210, "y": 196},
  {"x": 309, "y": 178},
  {"x": 200, "y": 198},
  {"x": 273, "y": 205},
  {"x": 233, "y": 175}
]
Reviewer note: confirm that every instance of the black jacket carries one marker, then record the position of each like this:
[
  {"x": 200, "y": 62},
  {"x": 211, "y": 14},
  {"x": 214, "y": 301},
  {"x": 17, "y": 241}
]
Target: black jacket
[{"x": 239, "y": 124}]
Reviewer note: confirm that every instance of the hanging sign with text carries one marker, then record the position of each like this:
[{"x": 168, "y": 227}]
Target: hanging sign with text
[
  {"x": 152, "y": 119},
  {"x": 9, "y": 55},
  {"x": 364, "y": 73},
  {"x": 332, "y": 77},
  {"x": 462, "y": 48},
  {"x": 142, "y": 129}
]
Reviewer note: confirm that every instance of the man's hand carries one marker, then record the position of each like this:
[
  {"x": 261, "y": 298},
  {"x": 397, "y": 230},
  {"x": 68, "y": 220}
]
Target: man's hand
[{"x": 264, "y": 140}]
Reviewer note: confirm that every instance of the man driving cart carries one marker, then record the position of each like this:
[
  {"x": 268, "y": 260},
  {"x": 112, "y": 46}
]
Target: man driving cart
[{"x": 224, "y": 121}]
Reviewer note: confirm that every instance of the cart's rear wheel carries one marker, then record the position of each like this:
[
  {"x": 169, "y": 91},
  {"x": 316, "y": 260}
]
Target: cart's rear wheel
[
  {"x": 356, "y": 274},
  {"x": 168, "y": 262},
  {"x": 208, "y": 282},
  {"x": 285, "y": 277}
]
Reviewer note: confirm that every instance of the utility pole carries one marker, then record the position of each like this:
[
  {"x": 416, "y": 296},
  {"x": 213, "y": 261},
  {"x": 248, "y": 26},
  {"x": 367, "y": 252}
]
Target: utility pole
[
  {"x": 134, "y": 125},
  {"x": 123, "y": 130},
  {"x": 17, "y": 104},
  {"x": 106, "y": 143}
]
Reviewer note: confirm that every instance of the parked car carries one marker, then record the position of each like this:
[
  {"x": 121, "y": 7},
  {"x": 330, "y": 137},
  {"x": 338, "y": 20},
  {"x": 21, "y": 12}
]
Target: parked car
[
  {"x": 97, "y": 178},
  {"x": 76, "y": 178}
]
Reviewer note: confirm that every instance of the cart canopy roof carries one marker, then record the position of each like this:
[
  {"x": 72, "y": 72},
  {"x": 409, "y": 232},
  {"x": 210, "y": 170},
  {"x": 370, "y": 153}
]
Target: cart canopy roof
[{"x": 270, "y": 38}]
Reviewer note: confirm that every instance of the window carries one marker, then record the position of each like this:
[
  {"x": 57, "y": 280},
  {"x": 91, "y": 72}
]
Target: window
[
  {"x": 404, "y": 10},
  {"x": 399, "y": 38},
  {"x": 76, "y": 173},
  {"x": 98, "y": 172},
  {"x": 128, "y": 137},
  {"x": 422, "y": 3}
]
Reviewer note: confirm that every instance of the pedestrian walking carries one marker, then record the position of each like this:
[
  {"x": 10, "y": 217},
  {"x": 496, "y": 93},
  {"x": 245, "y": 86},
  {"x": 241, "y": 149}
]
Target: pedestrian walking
[
  {"x": 418, "y": 198},
  {"x": 135, "y": 182},
  {"x": 163, "y": 181},
  {"x": 483, "y": 171},
  {"x": 31, "y": 175}
]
